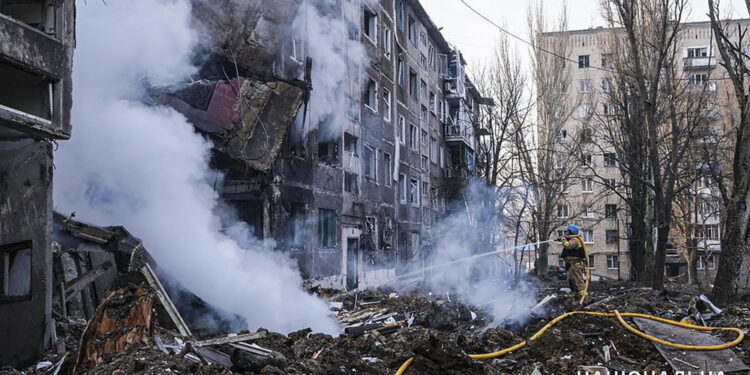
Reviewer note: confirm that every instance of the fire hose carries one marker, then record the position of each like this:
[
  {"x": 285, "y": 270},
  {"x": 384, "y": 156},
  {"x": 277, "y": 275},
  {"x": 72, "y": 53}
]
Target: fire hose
[{"x": 620, "y": 318}]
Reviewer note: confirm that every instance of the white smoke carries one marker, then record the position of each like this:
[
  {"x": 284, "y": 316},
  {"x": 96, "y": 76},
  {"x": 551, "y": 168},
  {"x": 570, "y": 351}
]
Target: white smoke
[
  {"x": 339, "y": 59},
  {"x": 144, "y": 167},
  {"x": 475, "y": 227}
]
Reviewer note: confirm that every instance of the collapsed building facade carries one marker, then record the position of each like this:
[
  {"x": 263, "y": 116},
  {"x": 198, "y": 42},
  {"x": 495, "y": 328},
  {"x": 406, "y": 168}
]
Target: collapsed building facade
[
  {"x": 351, "y": 196},
  {"x": 36, "y": 51}
]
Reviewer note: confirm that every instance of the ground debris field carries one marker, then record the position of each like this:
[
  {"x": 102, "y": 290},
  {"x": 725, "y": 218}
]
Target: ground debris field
[{"x": 383, "y": 329}]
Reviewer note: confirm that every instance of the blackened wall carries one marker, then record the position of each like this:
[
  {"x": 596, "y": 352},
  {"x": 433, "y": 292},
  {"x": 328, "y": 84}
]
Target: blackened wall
[{"x": 26, "y": 216}]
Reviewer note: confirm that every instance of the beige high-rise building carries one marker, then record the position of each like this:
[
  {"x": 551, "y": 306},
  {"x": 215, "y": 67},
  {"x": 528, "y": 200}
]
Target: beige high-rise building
[{"x": 594, "y": 202}]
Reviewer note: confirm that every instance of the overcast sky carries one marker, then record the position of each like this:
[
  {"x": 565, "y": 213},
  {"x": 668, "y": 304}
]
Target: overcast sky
[{"x": 475, "y": 37}]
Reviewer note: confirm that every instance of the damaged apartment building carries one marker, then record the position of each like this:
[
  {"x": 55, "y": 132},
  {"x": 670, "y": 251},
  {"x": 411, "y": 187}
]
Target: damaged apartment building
[
  {"x": 36, "y": 51},
  {"x": 353, "y": 202}
]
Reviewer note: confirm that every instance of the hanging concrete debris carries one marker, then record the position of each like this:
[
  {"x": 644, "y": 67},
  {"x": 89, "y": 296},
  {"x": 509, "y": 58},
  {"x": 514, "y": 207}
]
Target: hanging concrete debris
[{"x": 247, "y": 119}]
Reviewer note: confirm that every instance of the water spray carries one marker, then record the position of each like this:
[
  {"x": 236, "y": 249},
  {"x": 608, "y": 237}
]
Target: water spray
[{"x": 461, "y": 260}]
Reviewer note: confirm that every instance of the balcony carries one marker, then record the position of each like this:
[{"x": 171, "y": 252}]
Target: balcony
[
  {"x": 698, "y": 62},
  {"x": 458, "y": 134}
]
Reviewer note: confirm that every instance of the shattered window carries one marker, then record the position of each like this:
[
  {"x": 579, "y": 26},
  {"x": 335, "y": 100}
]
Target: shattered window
[
  {"x": 401, "y": 72},
  {"x": 413, "y": 138},
  {"x": 351, "y": 184},
  {"x": 387, "y": 43},
  {"x": 387, "y": 169},
  {"x": 370, "y": 163},
  {"x": 414, "y": 192},
  {"x": 371, "y": 95},
  {"x": 402, "y": 187},
  {"x": 402, "y": 129},
  {"x": 386, "y": 105},
  {"x": 371, "y": 25},
  {"x": 326, "y": 228},
  {"x": 613, "y": 262},
  {"x": 350, "y": 145},
  {"x": 611, "y": 235},
  {"x": 15, "y": 280},
  {"x": 413, "y": 88}
]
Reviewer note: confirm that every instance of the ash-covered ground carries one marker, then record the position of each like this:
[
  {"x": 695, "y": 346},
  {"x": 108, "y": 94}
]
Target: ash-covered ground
[{"x": 384, "y": 328}]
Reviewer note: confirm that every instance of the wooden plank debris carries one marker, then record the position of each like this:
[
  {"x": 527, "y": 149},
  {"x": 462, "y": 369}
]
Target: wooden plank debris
[
  {"x": 161, "y": 294},
  {"x": 230, "y": 339}
]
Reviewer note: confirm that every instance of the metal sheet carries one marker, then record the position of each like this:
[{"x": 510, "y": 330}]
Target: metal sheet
[{"x": 694, "y": 361}]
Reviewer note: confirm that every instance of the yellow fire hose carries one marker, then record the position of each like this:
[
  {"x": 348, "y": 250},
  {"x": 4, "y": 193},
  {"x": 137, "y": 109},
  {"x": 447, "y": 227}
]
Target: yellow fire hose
[{"x": 619, "y": 316}]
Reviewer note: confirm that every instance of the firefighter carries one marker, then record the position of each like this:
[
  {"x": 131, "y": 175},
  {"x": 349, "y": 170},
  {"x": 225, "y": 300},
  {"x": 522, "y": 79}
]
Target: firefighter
[{"x": 575, "y": 257}]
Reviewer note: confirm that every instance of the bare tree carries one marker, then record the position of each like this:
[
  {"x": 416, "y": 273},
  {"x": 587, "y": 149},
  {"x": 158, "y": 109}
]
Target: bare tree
[
  {"x": 731, "y": 41},
  {"x": 657, "y": 111},
  {"x": 547, "y": 166}
]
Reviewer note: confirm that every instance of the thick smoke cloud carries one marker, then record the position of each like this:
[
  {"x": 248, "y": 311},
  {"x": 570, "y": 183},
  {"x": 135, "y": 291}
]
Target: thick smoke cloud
[
  {"x": 339, "y": 60},
  {"x": 144, "y": 167},
  {"x": 475, "y": 228}
]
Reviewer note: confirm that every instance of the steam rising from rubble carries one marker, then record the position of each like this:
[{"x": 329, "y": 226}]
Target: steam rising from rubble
[
  {"x": 145, "y": 168},
  {"x": 485, "y": 281},
  {"x": 337, "y": 59}
]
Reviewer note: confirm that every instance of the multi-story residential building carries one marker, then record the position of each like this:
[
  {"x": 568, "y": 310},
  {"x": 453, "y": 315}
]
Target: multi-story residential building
[
  {"x": 36, "y": 51},
  {"x": 592, "y": 204},
  {"x": 351, "y": 191}
]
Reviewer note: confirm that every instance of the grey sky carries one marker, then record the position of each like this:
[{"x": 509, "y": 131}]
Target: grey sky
[{"x": 475, "y": 37}]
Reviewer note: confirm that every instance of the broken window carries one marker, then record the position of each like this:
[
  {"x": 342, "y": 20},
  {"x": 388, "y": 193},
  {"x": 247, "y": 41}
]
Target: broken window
[
  {"x": 413, "y": 137},
  {"x": 433, "y": 103},
  {"x": 613, "y": 262},
  {"x": 426, "y": 189},
  {"x": 351, "y": 183},
  {"x": 610, "y": 159},
  {"x": 370, "y": 163},
  {"x": 424, "y": 138},
  {"x": 295, "y": 226},
  {"x": 586, "y": 160},
  {"x": 31, "y": 94},
  {"x": 371, "y": 25},
  {"x": 423, "y": 88},
  {"x": 351, "y": 145},
  {"x": 412, "y": 31},
  {"x": 583, "y": 61},
  {"x": 38, "y": 14},
  {"x": 423, "y": 114},
  {"x": 401, "y": 72},
  {"x": 402, "y": 129},
  {"x": 387, "y": 43},
  {"x": 15, "y": 271},
  {"x": 402, "y": 188},
  {"x": 425, "y": 163},
  {"x": 611, "y": 235},
  {"x": 413, "y": 85},
  {"x": 328, "y": 152},
  {"x": 386, "y": 105},
  {"x": 434, "y": 149},
  {"x": 610, "y": 210},
  {"x": 431, "y": 56},
  {"x": 400, "y": 15},
  {"x": 414, "y": 192},
  {"x": 387, "y": 169},
  {"x": 371, "y": 95},
  {"x": 610, "y": 183},
  {"x": 327, "y": 228}
]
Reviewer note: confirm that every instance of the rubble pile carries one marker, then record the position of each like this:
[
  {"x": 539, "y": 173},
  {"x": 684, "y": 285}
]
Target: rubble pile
[{"x": 381, "y": 330}]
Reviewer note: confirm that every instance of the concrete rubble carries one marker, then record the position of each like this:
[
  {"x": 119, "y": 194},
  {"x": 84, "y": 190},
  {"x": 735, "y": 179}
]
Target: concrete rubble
[{"x": 380, "y": 330}]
